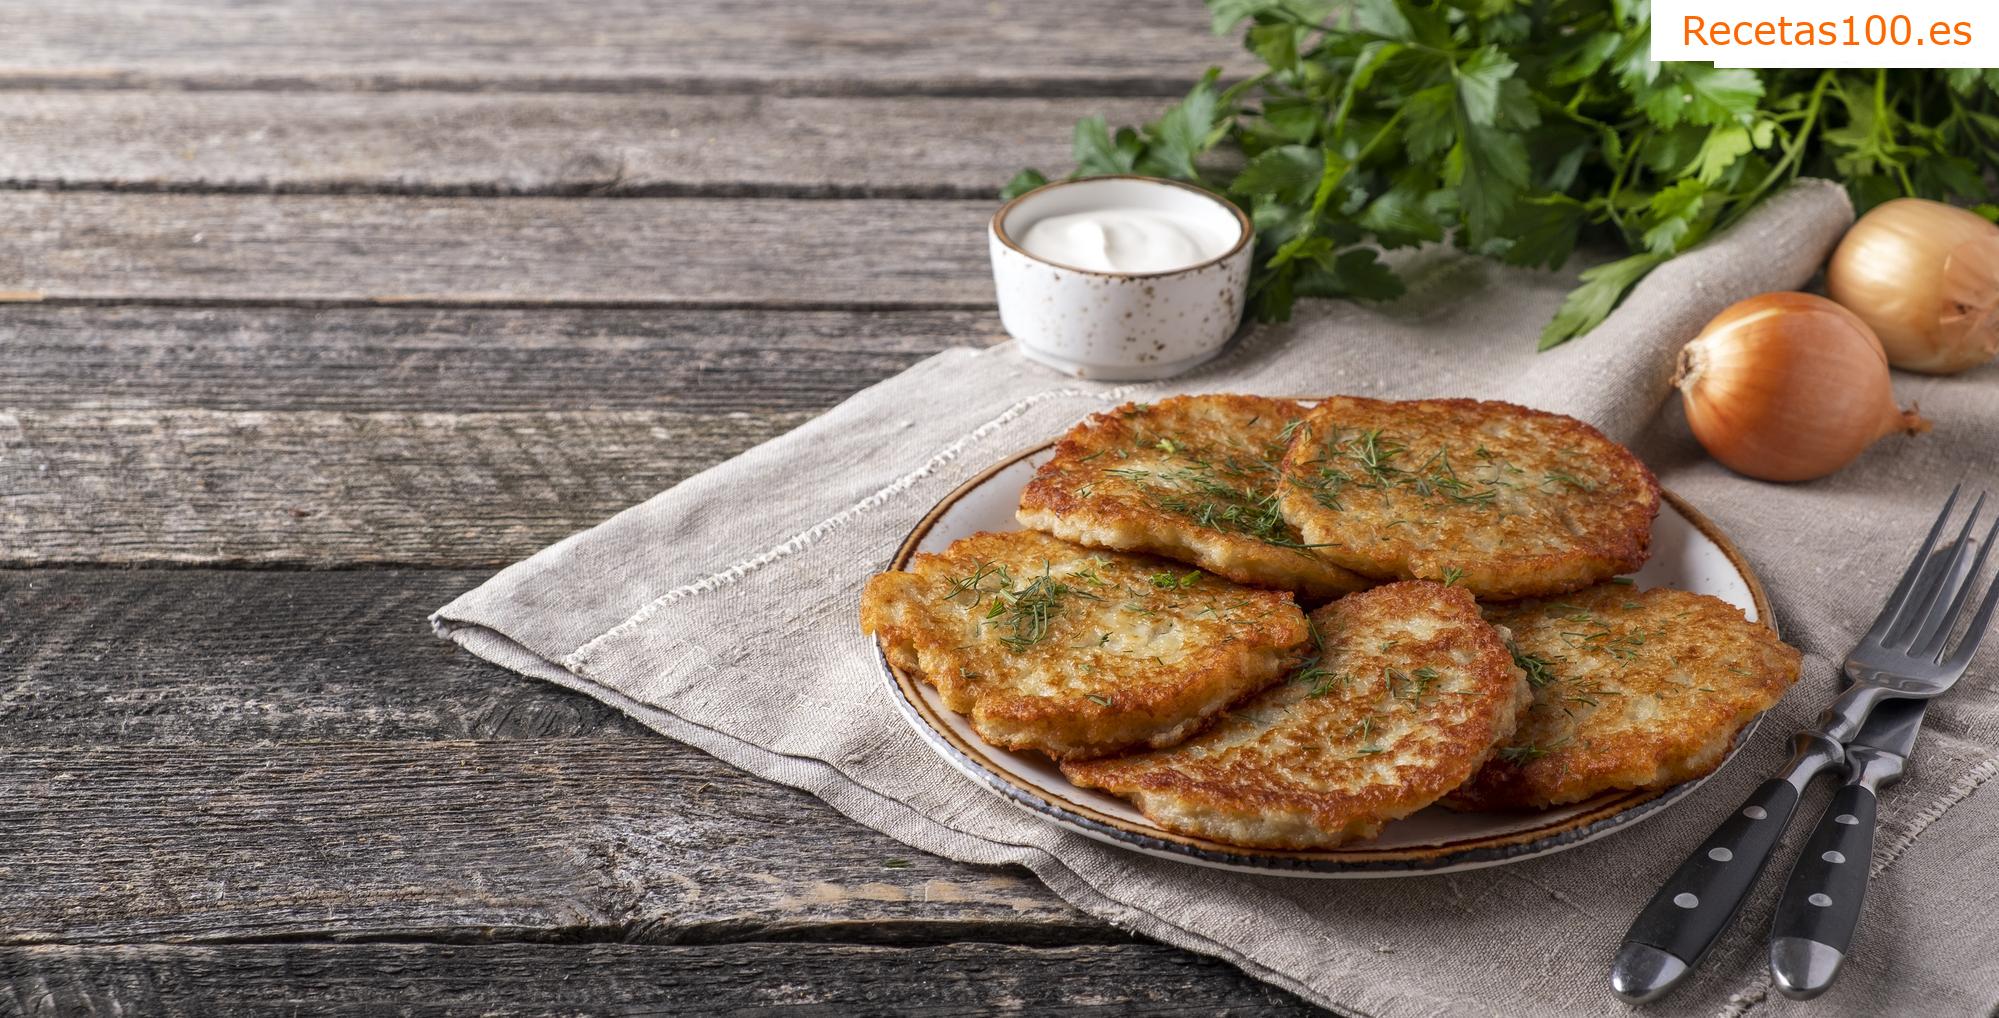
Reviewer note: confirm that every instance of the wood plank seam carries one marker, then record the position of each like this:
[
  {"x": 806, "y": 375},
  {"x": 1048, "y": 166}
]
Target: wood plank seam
[
  {"x": 1143, "y": 86},
  {"x": 609, "y": 189},
  {"x": 491, "y": 303}
]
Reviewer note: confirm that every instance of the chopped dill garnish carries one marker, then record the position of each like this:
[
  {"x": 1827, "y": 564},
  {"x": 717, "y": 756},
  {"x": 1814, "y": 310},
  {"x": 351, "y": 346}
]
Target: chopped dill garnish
[
  {"x": 1539, "y": 672},
  {"x": 1452, "y": 574},
  {"x": 1412, "y": 686},
  {"x": 1587, "y": 694},
  {"x": 1086, "y": 490},
  {"x": 1367, "y": 459},
  {"x": 974, "y": 582},
  {"x": 1366, "y": 730},
  {"x": 1563, "y": 477},
  {"x": 1528, "y": 751},
  {"x": 1195, "y": 493},
  {"x": 1101, "y": 701},
  {"x": 1322, "y": 681},
  {"x": 1171, "y": 581},
  {"x": 1024, "y": 611}
]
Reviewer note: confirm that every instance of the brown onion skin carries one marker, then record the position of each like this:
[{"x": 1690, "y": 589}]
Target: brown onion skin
[
  {"x": 1788, "y": 387},
  {"x": 1925, "y": 277}
]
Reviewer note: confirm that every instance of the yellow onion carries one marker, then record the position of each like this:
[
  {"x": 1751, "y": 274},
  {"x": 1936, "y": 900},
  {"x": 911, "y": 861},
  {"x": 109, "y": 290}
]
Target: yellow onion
[
  {"x": 1788, "y": 387},
  {"x": 1925, "y": 276}
]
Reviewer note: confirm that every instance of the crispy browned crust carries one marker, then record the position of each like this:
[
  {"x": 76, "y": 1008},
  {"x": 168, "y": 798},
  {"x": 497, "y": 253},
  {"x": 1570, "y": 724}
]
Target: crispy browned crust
[
  {"x": 1504, "y": 500},
  {"x": 1126, "y": 659},
  {"x": 1353, "y": 741},
  {"x": 1192, "y": 478},
  {"x": 1640, "y": 689}
]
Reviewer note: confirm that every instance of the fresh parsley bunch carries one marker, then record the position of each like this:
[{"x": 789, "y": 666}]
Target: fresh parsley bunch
[{"x": 1513, "y": 126}]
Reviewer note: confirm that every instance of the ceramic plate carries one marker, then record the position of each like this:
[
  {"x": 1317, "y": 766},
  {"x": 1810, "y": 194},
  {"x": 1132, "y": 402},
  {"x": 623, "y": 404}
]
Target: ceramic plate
[{"x": 1687, "y": 553}]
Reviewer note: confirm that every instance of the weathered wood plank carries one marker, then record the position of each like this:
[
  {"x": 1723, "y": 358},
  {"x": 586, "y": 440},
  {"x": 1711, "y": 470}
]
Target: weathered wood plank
[
  {"x": 169, "y": 657},
  {"x": 442, "y": 144},
  {"x": 634, "y": 840},
  {"x": 420, "y": 980},
  {"x": 842, "y": 253},
  {"x": 729, "y": 45},
  {"x": 277, "y": 358},
  {"x": 200, "y": 755},
  {"x": 318, "y": 488}
]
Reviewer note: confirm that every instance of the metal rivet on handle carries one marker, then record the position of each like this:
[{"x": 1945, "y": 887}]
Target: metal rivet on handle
[
  {"x": 1720, "y": 854},
  {"x": 1833, "y": 856},
  {"x": 1685, "y": 900},
  {"x": 1755, "y": 813},
  {"x": 1820, "y": 900},
  {"x": 1846, "y": 818}
]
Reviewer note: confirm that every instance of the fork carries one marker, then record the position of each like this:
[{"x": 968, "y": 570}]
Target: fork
[{"x": 1902, "y": 656}]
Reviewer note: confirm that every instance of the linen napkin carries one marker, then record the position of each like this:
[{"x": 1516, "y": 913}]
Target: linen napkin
[{"x": 723, "y": 613}]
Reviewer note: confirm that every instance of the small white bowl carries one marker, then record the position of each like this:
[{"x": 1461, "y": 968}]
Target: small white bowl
[{"x": 1118, "y": 326}]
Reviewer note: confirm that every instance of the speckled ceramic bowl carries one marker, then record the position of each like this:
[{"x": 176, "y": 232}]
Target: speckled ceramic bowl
[{"x": 1119, "y": 326}]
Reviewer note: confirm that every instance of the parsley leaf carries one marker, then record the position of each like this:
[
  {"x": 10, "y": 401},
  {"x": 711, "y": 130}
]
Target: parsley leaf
[
  {"x": 1592, "y": 302},
  {"x": 1518, "y": 131}
]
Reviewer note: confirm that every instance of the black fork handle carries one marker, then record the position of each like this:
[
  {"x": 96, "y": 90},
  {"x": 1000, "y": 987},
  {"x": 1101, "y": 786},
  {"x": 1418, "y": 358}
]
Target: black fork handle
[{"x": 1701, "y": 899}]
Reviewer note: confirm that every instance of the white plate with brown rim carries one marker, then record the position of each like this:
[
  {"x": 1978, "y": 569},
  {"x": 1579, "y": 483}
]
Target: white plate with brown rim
[{"x": 1688, "y": 552}]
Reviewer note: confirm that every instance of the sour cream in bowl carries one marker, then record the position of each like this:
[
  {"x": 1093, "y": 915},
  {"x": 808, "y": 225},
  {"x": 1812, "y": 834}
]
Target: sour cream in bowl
[{"x": 1120, "y": 278}]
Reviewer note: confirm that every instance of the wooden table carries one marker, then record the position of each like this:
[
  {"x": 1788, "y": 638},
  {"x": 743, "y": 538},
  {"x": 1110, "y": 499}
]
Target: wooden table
[{"x": 314, "y": 315}]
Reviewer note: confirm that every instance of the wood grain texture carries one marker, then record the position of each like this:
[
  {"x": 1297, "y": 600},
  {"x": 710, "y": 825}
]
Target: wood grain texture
[
  {"x": 841, "y": 46},
  {"x": 446, "y": 144},
  {"x": 376, "y": 359},
  {"x": 215, "y": 755},
  {"x": 191, "y": 657},
  {"x": 630, "y": 840},
  {"x": 772, "y": 253},
  {"x": 420, "y": 981},
  {"x": 321, "y": 488}
]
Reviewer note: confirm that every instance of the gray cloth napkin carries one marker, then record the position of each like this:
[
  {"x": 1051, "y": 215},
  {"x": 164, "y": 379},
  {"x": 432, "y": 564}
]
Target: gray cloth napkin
[{"x": 723, "y": 613}]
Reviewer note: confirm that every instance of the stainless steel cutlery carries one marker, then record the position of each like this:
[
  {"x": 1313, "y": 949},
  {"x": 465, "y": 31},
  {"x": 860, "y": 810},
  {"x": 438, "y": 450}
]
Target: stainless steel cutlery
[{"x": 1906, "y": 658}]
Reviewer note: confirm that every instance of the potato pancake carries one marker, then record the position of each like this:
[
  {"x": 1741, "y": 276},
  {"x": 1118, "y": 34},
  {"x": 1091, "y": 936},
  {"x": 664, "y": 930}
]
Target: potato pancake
[
  {"x": 1409, "y": 693},
  {"x": 1502, "y": 500},
  {"x": 1050, "y": 646},
  {"x": 1633, "y": 689},
  {"x": 1193, "y": 478}
]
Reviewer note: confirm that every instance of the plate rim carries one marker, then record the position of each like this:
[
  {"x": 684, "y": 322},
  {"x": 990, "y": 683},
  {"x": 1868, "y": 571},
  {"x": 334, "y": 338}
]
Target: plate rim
[{"x": 1612, "y": 814}]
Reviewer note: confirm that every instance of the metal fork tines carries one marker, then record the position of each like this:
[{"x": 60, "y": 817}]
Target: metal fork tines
[{"x": 1907, "y": 652}]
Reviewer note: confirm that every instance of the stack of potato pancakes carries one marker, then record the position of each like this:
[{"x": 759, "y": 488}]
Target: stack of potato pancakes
[{"x": 1469, "y": 643}]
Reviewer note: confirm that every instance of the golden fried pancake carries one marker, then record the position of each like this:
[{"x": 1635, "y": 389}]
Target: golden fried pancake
[
  {"x": 1193, "y": 478},
  {"x": 1502, "y": 500},
  {"x": 1047, "y": 645},
  {"x": 1410, "y": 692},
  {"x": 1633, "y": 689}
]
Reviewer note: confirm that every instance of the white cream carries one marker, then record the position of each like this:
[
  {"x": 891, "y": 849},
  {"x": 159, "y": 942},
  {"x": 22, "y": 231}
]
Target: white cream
[{"x": 1128, "y": 240}]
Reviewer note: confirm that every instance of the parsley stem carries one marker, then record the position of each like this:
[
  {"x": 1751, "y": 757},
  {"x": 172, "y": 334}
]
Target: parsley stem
[{"x": 1786, "y": 167}]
